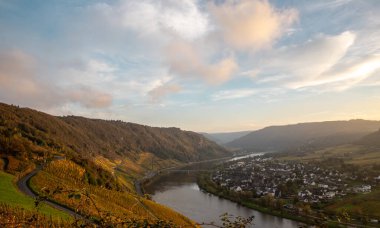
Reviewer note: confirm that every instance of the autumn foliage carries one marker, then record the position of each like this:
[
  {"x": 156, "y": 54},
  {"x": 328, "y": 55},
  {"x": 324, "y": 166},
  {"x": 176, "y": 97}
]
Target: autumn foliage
[{"x": 96, "y": 201}]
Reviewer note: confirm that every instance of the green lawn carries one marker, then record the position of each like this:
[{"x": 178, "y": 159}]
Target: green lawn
[{"x": 10, "y": 195}]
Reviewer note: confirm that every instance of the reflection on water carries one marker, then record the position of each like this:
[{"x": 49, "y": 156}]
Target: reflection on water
[
  {"x": 247, "y": 156},
  {"x": 180, "y": 192}
]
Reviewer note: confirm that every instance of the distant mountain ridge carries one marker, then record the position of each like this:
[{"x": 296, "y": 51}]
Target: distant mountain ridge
[
  {"x": 372, "y": 140},
  {"x": 34, "y": 132},
  {"x": 225, "y": 137},
  {"x": 305, "y": 136}
]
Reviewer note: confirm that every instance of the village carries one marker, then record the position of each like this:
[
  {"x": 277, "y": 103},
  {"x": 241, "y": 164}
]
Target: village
[{"x": 304, "y": 182}]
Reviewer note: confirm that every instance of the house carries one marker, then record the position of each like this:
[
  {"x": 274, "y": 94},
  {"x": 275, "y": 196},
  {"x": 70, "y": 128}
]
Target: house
[
  {"x": 238, "y": 189},
  {"x": 363, "y": 189},
  {"x": 323, "y": 185},
  {"x": 330, "y": 194}
]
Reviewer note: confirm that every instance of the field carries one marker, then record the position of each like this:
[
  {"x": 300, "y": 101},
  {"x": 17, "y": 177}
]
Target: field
[
  {"x": 359, "y": 205},
  {"x": 11, "y": 196},
  {"x": 19, "y": 217}
]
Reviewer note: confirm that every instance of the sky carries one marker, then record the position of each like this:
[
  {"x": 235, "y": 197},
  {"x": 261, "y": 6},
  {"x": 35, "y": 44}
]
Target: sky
[{"x": 205, "y": 66}]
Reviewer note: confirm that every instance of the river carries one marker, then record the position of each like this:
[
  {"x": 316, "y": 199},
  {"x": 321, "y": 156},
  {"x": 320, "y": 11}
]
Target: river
[{"x": 179, "y": 191}]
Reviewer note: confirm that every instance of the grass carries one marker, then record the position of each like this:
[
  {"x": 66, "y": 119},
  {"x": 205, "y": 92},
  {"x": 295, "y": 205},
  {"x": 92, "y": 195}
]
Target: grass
[
  {"x": 145, "y": 162},
  {"x": 19, "y": 217},
  {"x": 10, "y": 195},
  {"x": 125, "y": 180}
]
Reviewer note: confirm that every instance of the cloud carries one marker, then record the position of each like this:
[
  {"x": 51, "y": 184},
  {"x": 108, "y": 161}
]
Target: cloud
[
  {"x": 322, "y": 62},
  {"x": 252, "y": 24},
  {"x": 184, "y": 59},
  {"x": 91, "y": 72},
  {"x": 90, "y": 98},
  {"x": 20, "y": 84},
  {"x": 292, "y": 66},
  {"x": 323, "y": 5},
  {"x": 233, "y": 94},
  {"x": 348, "y": 75},
  {"x": 161, "y": 91},
  {"x": 154, "y": 17}
]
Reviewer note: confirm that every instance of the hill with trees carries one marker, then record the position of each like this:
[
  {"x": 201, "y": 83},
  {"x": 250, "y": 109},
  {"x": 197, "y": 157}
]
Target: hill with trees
[
  {"x": 225, "y": 137},
  {"x": 305, "y": 136},
  {"x": 102, "y": 158},
  {"x": 371, "y": 140},
  {"x": 25, "y": 132}
]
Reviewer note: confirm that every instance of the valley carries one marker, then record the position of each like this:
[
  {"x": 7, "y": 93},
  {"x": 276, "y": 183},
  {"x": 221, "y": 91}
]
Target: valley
[
  {"x": 180, "y": 191},
  {"x": 102, "y": 176},
  {"x": 189, "y": 114},
  {"x": 323, "y": 185},
  {"x": 90, "y": 171}
]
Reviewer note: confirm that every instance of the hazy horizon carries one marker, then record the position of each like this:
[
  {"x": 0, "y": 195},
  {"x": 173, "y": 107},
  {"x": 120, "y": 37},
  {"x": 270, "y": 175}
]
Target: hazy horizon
[{"x": 204, "y": 66}]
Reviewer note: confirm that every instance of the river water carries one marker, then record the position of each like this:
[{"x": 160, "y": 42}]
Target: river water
[{"x": 179, "y": 191}]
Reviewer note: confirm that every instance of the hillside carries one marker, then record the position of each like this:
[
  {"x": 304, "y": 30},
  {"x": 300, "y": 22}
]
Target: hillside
[
  {"x": 25, "y": 130},
  {"x": 101, "y": 147},
  {"x": 371, "y": 140},
  {"x": 305, "y": 136},
  {"x": 101, "y": 158},
  {"x": 225, "y": 137}
]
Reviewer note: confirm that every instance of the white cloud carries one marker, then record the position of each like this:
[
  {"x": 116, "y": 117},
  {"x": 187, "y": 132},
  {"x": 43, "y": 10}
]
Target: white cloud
[
  {"x": 151, "y": 17},
  {"x": 323, "y": 63},
  {"x": 20, "y": 83},
  {"x": 233, "y": 94},
  {"x": 323, "y": 5},
  {"x": 96, "y": 66},
  {"x": 184, "y": 59},
  {"x": 347, "y": 76},
  {"x": 299, "y": 65},
  {"x": 93, "y": 72},
  {"x": 161, "y": 91},
  {"x": 90, "y": 98},
  {"x": 252, "y": 24}
]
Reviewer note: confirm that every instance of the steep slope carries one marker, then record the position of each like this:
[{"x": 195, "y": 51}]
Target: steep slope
[
  {"x": 305, "y": 136},
  {"x": 225, "y": 137},
  {"x": 98, "y": 159},
  {"x": 24, "y": 130}
]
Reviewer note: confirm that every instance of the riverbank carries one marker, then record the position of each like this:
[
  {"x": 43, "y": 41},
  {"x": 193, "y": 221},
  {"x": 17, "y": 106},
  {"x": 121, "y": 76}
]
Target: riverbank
[
  {"x": 180, "y": 190},
  {"x": 204, "y": 182},
  {"x": 150, "y": 177}
]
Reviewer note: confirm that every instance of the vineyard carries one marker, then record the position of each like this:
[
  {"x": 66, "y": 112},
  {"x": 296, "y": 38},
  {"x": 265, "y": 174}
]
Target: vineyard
[
  {"x": 19, "y": 217},
  {"x": 12, "y": 197},
  {"x": 65, "y": 182}
]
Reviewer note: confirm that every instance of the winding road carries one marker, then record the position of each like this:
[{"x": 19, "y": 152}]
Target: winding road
[{"x": 23, "y": 186}]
